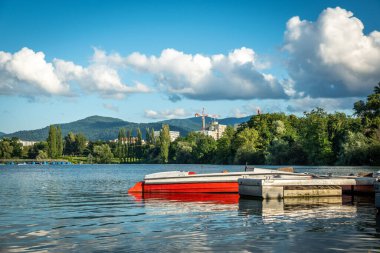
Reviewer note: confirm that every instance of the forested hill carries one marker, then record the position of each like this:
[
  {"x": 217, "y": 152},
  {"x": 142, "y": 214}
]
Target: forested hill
[
  {"x": 107, "y": 128},
  {"x": 1, "y": 134}
]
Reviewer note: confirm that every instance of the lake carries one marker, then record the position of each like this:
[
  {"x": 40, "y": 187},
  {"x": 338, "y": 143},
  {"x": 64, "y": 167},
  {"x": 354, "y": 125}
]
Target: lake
[{"x": 86, "y": 208}]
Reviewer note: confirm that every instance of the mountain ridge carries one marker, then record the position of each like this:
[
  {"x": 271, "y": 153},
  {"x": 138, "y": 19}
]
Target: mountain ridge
[{"x": 106, "y": 128}]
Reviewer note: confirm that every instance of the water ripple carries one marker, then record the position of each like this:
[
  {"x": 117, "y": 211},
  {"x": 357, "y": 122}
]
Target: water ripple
[{"x": 87, "y": 209}]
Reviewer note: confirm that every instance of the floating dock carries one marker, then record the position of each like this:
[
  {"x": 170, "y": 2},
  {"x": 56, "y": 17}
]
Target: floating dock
[
  {"x": 377, "y": 194},
  {"x": 289, "y": 188}
]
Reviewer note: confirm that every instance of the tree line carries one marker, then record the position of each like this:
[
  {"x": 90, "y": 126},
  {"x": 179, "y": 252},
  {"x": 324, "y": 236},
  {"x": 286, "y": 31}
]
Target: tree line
[{"x": 316, "y": 138}]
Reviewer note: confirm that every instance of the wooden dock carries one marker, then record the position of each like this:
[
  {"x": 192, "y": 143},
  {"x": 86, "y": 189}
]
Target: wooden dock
[
  {"x": 377, "y": 194},
  {"x": 289, "y": 188}
]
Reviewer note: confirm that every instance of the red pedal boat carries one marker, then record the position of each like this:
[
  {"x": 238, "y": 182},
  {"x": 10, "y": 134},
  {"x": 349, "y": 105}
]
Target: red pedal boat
[{"x": 190, "y": 182}]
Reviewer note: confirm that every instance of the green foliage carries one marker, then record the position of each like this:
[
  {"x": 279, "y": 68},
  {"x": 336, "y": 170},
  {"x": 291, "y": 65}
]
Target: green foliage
[
  {"x": 103, "y": 154},
  {"x": 42, "y": 155},
  {"x": 248, "y": 147},
  {"x": 80, "y": 143},
  {"x": 74, "y": 144},
  {"x": 315, "y": 137},
  {"x": 164, "y": 144},
  {"x": 59, "y": 142},
  {"x": 138, "y": 150},
  {"x": 354, "y": 149},
  {"x": 34, "y": 151},
  {"x": 369, "y": 112},
  {"x": 374, "y": 154},
  {"x": 17, "y": 147},
  {"x": 6, "y": 148},
  {"x": 181, "y": 151},
  {"x": 194, "y": 148},
  {"x": 151, "y": 136},
  {"x": 69, "y": 144},
  {"x": 121, "y": 146},
  {"x": 52, "y": 142},
  {"x": 224, "y": 153},
  {"x": 55, "y": 142}
]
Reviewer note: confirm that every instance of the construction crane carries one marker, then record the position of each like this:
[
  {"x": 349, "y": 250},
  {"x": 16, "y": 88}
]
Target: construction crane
[{"x": 203, "y": 115}]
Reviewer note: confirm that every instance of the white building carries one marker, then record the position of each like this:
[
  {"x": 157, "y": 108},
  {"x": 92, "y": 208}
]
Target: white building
[
  {"x": 173, "y": 135},
  {"x": 215, "y": 130},
  {"x": 27, "y": 143}
]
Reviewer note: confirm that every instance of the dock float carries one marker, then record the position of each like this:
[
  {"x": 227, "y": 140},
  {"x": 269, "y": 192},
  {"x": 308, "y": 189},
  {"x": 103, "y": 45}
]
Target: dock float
[
  {"x": 377, "y": 194},
  {"x": 289, "y": 188}
]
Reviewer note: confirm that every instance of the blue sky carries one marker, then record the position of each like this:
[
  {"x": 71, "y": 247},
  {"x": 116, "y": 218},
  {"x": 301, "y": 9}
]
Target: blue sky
[{"x": 146, "y": 61}]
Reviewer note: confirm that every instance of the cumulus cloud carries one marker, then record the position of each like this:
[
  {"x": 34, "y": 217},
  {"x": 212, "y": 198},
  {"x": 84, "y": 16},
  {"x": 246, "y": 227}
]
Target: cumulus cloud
[
  {"x": 332, "y": 57},
  {"x": 232, "y": 76},
  {"x": 27, "y": 73},
  {"x": 301, "y": 105},
  {"x": 166, "y": 114}
]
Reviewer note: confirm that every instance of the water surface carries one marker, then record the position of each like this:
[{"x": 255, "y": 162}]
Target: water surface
[{"x": 86, "y": 208}]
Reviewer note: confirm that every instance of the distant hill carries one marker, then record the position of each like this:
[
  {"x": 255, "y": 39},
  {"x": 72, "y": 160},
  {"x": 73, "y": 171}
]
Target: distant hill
[
  {"x": 107, "y": 128},
  {"x": 1, "y": 134},
  {"x": 232, "y": 121}
]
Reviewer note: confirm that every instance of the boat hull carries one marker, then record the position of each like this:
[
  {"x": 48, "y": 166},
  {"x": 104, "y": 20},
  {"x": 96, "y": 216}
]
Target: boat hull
[
  {"x": 189, "y": 182},
  {"x": 209, "y": 187}
]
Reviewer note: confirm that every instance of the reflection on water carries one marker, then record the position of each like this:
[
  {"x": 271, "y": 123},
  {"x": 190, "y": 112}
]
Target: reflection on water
[
  {"x": 87, "y": 209},
  {"x": 273, "y": 210}
]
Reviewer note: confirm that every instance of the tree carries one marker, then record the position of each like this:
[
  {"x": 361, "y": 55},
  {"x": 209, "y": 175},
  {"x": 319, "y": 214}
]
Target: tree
[
  {"x": 69, "y": 144},
  {"x": 80, "y": 143},
  {"x": 52, "y": 142},
  {"x": 17, "y": 147},
  {"x": 42, "y": 155},
  {"x": 6, "y": 149},
  {"x": 103, "y": 154},
  {"x": 151, "y": 137},
  {"x": 121, "y": 145},
  {"x": 34, "y": 151},
  {"x": 181, "y": 151},
  {"x": 354, "y": 149},
  {"x": 204, "y": 149},
  {"x": 147, "y": 136},
  {"x": 224, "y": 152},
  {"x": 246, "y": 144},
  {"x": 315, "y": 138},
  {"x": 139, "y": 144},
  {"x": 129, "y": 147},
  {"x": 164, "y": 143},
  {"x": 59, "y": 142},
  {"x": 75, "y": 144},
  {"x": 369, "y": 112}
]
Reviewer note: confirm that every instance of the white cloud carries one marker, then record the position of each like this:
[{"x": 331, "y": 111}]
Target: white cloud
[
  {"x": 111, "y": 107},
  {"x": 99, "y": 77},
  {"x": 166, "y": 114},
  {"x": 301, "y": 105},
  {"x": 232, "y": 76},
  {"x": 26, "y": 72},
  {"x": 332, "y": 57},
  {"x": 238, "y": 113}
]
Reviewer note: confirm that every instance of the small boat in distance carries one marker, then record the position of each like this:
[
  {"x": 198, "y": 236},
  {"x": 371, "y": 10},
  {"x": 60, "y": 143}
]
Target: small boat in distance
[{"x": 190, "y": 182}]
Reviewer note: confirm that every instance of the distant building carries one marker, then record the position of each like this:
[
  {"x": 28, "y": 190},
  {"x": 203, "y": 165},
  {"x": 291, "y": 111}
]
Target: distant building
[
  {"x": 173, "y": 135},
  {"x": 215, "y": 130},
  {"x": 27, "y": 143},
  {"x": 125, "y": 140}
]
